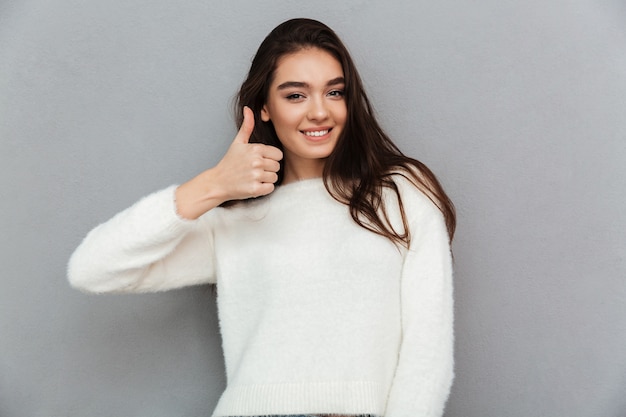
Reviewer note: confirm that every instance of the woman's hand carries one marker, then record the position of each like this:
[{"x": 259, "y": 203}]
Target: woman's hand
[{"x": 246, "y": 170}]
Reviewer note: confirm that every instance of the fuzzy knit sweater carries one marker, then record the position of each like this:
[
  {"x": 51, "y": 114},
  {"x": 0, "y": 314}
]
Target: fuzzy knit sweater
[{"x": 317, "y": 314}]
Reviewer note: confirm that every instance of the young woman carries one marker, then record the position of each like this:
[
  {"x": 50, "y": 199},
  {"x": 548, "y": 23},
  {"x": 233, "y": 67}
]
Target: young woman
[{"x": 329, "y": 247}]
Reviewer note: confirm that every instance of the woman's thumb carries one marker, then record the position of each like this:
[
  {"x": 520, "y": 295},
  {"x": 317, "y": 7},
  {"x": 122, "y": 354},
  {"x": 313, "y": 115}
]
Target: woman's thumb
[{"x": 247, "y": 126}]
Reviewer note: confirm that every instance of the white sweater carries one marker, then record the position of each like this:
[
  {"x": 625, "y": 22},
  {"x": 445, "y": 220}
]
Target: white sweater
[{"x": 317, "y": 314}]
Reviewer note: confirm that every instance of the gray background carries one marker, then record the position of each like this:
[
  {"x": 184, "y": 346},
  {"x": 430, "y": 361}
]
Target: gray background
[{"x": 520, "y": 107}]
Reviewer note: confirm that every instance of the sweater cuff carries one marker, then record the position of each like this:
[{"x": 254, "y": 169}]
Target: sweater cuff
[{"x": 162, "y": 211}]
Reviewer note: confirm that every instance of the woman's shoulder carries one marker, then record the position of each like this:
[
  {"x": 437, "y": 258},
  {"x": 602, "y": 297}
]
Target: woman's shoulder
[
  {"x": 417, "y": 200},
  {"x": 424, "y": 217}
]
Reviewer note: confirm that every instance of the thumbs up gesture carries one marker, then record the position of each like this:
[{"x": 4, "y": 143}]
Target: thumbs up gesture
[{"x": 246, "y": 170}]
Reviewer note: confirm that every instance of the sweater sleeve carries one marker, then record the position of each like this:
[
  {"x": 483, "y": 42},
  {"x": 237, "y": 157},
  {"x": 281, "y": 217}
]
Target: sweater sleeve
[
  {"x": 425, "y": 372},
  {"x": 145, "y": 248}
]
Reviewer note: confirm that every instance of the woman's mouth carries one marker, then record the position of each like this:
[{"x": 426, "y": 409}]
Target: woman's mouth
[{"x": 316, "y": 133}]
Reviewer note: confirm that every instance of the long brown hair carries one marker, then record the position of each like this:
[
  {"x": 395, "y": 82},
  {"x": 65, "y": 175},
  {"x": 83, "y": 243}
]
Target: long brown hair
[{"x": 364, "y": 159}]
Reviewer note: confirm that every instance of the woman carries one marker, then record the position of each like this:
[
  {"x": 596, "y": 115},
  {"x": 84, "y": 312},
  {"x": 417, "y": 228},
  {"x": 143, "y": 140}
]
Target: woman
[{"x": 334, "y": 287}]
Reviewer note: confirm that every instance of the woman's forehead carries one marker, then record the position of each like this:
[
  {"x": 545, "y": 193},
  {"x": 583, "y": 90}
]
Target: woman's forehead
[{"x": 308, "y": 66}]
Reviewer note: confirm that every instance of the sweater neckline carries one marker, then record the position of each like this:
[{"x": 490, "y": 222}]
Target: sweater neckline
[{"x": 305, "y": 183}]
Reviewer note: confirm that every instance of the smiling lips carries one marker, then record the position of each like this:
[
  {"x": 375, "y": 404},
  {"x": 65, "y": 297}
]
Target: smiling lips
[{"x": 316, "y": 133}]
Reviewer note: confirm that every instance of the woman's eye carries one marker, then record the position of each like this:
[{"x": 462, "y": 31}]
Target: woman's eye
[
  {"x": 336, "y": 93},
  {"x": 295, "y": 96}
]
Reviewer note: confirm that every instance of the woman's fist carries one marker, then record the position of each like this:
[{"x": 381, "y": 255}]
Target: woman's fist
[{"x": 246, "y": 170}]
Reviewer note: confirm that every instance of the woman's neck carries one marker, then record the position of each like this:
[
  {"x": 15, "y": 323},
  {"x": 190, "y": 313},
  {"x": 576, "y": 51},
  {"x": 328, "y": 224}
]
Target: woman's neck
[{"x": 303, "y": 170}]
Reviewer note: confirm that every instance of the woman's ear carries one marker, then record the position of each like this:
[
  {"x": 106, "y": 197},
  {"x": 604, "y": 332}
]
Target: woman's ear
[{"x": 265, "y": 115}]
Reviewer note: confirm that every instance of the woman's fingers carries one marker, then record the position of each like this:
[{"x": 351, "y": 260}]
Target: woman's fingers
[
  {"x": 272, "y": 152},
  {"x": 271, "y": 165},
  {"x": 269, "y": 177}
]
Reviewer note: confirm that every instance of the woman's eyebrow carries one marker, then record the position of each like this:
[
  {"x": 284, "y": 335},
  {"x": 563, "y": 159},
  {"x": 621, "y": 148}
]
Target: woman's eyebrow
[
  {"x": 336, "y": 81},
  {"x": 300, "y": 84}
]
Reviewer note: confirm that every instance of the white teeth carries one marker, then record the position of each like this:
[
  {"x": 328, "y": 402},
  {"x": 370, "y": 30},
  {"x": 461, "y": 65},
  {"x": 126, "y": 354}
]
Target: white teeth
[{"x": 316, "y": 133}]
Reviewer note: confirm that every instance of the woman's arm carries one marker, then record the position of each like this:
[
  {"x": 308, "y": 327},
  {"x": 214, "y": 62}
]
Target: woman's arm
[
  {"x": 425, "y": 366},
  {"x": 163, "y": 241},
  {"x": 146, "y": 247}
]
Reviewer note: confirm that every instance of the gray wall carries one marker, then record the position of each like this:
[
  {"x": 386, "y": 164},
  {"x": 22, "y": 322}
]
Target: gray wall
[{"x": 520, "y": 107}]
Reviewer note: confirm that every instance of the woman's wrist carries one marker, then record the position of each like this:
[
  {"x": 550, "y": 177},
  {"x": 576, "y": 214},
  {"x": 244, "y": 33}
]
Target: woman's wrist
[{"x": 198, "y": 195}]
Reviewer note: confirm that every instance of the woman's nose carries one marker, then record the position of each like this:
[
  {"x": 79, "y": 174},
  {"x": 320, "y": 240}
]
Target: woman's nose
[{"x": 318, "y": 110}]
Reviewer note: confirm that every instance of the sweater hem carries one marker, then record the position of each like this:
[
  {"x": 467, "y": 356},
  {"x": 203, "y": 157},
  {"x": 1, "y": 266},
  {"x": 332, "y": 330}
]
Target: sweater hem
[{"x": 353, "y": 398}]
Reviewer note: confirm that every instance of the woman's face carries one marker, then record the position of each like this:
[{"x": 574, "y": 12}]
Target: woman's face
[{"x": 307, "y": 108}]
